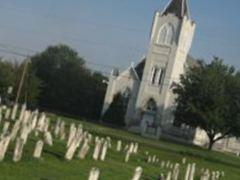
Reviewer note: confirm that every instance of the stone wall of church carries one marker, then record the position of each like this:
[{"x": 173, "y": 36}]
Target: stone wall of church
[{"x": 122, "y": 83}]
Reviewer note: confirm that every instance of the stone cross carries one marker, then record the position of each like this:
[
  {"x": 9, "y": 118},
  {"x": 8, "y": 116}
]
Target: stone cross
[
  {"x": 38, "y": 149},
  {"x": 138, "y": 173}
]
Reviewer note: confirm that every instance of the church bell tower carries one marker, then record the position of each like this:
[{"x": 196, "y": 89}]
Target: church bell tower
[{"x": 170, "y": 41}]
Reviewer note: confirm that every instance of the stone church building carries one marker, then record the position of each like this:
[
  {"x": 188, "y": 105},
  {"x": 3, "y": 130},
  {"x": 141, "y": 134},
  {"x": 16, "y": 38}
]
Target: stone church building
[{"x": 148, "y": 85}]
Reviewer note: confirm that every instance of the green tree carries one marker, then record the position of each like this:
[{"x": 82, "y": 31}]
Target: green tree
[
  {"x": 209, "y": 98},
  {"x": 7, "y": 77},
  {"x": 31, "y": 87},
  {"x": 116, "y": 112},
  {"x": 68, "y": 86}
]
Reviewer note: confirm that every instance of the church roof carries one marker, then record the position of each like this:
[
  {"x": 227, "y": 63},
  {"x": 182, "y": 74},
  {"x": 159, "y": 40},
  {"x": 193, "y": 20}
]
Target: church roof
[
  {"x": 139, "y": 68},
  {"x": 178, "y": 8}
]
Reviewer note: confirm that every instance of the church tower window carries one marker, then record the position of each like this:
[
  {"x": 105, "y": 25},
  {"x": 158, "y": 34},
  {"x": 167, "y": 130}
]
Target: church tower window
[
  {"x": 166, "y": 34},
  {"x": 156, "y": 76},
  {"x": 159, "y": 77}
]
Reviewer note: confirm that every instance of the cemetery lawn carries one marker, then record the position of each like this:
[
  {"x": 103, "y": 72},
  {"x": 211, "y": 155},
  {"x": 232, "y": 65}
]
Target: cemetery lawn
[{"x": 52, "y": 166}]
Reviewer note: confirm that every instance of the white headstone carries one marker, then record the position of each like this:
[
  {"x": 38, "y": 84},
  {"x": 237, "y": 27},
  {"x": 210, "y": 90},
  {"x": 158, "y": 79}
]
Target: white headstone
[
  {"x": 14, "y": 112},
  {"x": 17, "y": 155},
  {"x": 84, "y": 150},
  {"x": 127, "y": 156},
  {"x": 57, "y": 128},
  {"x": 135, "y": 149},
  {"x": 38, "y": 149},
  {"x": 4, "y": 142},
  {"x": 104, "y": 150},
  {"x": 138, "y": 173},
  {"x": 192, "y": 172},
  {"x": 119, "y": 146},
  {"x": 48, "y": 138},
  {"x": 187, "y": 174},
  {"x": 97, "y": 150},
  {"x": 94, "y": 174},
  {"x": 176, "y": 171},
  {"x": 6, "y": 126},
  {"x": 169, "y": 175},
  {"x": 62, "y": 130},
  {"x": 72, "y": 133}
]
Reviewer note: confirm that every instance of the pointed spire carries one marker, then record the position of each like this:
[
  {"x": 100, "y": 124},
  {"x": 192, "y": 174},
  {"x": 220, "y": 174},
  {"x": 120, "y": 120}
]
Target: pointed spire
[{"x": 177, "y": 7}]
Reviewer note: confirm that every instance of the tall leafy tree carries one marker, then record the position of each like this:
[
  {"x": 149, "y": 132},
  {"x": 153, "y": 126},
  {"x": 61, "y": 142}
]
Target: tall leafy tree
[
  {"x": 68, "y": 86},
  {"x": 7, "y": 77},
  {"x": 31, "y": 88},
  {"x": 209, "y": 98}
]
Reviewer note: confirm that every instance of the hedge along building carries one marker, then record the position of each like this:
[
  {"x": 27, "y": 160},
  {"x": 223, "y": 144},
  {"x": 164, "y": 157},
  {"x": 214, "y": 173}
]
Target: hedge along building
[{"x": 148, "y": 85}]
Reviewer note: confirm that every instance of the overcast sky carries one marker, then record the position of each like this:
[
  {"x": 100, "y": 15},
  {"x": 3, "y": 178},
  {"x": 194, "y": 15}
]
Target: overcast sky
[{"x": 114, "y": 32}]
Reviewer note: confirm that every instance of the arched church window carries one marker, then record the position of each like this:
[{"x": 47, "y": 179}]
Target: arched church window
[
  {"x": 170, "y": 34},
  {"x": 154, "y": 75},
  {"x": 159, "y": 76},
  {"x": 166, "y": 34},
  {"x": 162, "y": 35},
  {"x": 151, "y": 106}
]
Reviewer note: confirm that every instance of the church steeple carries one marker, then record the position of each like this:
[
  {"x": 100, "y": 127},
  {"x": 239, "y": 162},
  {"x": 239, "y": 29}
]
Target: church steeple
[{"x": 178, "y": 8}]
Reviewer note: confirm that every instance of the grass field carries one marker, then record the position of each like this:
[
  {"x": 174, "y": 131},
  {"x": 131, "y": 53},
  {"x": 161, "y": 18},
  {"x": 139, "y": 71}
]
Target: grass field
[{"x": 52, "y": 166}]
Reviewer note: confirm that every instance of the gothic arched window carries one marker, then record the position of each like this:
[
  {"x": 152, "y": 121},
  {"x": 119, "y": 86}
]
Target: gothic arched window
[
  {"x": 166, "y": 34},
  {"x": 156, "y": 76}
]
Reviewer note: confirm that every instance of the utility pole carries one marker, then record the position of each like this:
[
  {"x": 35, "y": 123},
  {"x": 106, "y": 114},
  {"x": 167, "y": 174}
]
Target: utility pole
[{"x": 22, "y": 80}]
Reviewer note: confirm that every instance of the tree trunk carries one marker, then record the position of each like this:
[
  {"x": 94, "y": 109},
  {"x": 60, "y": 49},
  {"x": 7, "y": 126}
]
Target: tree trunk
[{"x": 211, "y": 142}]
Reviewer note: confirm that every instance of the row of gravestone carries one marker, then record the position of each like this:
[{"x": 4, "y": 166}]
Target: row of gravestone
[{"x": 18, "y": 126}]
